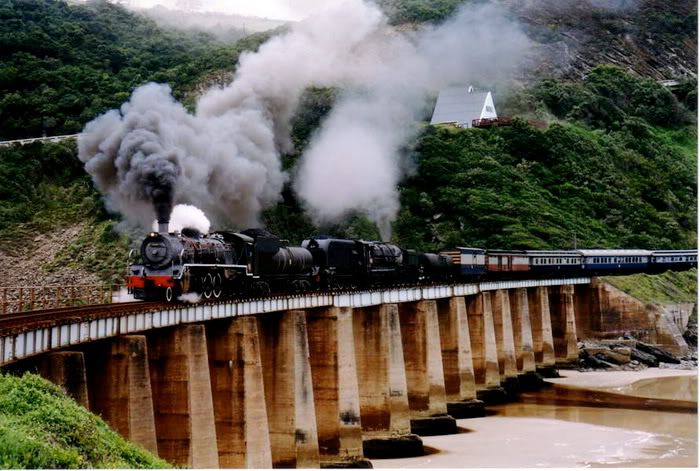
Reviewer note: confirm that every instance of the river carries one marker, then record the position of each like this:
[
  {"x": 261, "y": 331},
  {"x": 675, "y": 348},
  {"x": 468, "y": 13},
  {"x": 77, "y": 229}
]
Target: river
[{"x": 539, "y": 431}]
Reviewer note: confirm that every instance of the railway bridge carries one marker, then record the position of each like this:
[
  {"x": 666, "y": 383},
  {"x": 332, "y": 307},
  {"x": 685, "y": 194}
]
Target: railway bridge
[{"x": 322, "y": 379}]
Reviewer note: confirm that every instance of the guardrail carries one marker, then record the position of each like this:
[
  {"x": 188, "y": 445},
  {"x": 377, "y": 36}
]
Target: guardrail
[
  {"x": 15, "y": 299},
  {"x": 39, "y": 139}
]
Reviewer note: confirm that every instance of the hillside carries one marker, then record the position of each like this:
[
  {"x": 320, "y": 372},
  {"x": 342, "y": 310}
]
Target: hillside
[
  {"x": 40, "y": 427},
  {"x": 585, "y": 180},
  {"x": 651, "y": 38},
  {"x": 616, "y": 167},
  {"x": 61, "y": 65}
]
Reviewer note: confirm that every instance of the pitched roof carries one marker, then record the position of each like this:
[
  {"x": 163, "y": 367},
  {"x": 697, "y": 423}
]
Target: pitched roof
[{"x": 457, "y": 105}]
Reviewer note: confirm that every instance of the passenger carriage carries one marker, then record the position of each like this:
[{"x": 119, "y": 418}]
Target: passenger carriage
[
  {"x": 546, "y": 263},
  {"x": 614, "y": 262},
  {"x": 507, "y": 263},
  {"x": 675, "y": 260}
]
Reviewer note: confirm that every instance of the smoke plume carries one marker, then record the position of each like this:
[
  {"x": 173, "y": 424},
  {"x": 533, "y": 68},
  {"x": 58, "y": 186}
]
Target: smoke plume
[
  {"x": 225, "y": 157},
  {"x": 354, "y": 163},
  {"x": 186, "y": 216}
]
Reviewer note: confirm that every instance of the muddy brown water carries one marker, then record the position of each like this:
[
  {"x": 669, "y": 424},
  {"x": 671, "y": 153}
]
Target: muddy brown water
[{"x": 545, "y": 431}]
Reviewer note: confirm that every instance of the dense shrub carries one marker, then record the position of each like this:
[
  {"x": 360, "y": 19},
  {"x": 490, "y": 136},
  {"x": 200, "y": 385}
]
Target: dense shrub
[{"x": 42, "y": 428}]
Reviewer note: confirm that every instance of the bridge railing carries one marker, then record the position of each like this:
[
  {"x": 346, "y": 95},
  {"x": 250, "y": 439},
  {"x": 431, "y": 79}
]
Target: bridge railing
[
  {"x": 39, "y": 139},
  {"x": 14, "y": 299}
]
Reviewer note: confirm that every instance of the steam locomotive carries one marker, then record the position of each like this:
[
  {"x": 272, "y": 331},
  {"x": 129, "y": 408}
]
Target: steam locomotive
[{"x": 255, "y": 262}]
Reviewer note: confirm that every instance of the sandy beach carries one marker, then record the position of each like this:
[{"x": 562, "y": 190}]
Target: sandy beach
[{"x": 550, "y": 435}]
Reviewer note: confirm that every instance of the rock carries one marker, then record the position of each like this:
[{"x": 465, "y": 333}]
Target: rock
[
  {"x": 602, "y": 362},
  {"x": 691, "y": 333},
  {"x": 619, "y": 357},
  {"x": 623, "y": 352},
  {"x": 594, "y": 358},
  {"x": 645, "y": 358},
  {"x": 661, "y": 354}
]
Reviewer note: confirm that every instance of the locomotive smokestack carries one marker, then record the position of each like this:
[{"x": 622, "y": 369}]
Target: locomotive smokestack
[{"x": 162, "y": 201}]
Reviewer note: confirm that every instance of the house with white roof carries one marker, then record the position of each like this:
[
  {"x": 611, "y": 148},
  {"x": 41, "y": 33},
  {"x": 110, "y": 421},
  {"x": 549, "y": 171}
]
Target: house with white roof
[{"x": 461, "y": 105}]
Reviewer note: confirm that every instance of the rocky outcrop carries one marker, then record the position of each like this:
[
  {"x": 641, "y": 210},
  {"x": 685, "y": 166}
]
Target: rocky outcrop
[
  {"x": 606, "y": 312},
  {"x": 652, "y": 38},
  {"x": 628, "y": 354}
]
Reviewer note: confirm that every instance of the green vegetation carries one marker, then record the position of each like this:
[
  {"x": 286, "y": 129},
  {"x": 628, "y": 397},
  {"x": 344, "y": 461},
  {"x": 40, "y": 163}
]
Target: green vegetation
[
  {"x": 616, "y": 168},
  {"x": 61, "y": 65},
  {"x": 669, "y": 287},
  {"x": 41, "y": 185},
  {"x": 608, "y": 96},
  {"x": 44, "y": 188},
  {"x": 418, "y": 11},
  {"x": 615, "y": 174},
  {"x": 42, "y": 428}
]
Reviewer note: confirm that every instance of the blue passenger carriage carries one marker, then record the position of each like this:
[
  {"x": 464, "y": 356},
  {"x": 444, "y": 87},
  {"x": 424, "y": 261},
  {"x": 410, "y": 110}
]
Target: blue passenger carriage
[
  {"x": 615, "y": 262},
  {"x": 545, "y": 263},
  {"x": 675, "y": 260}
]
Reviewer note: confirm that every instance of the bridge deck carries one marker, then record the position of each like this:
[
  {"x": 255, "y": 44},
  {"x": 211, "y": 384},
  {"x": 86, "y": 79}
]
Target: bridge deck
[{"x": 26, "y": 334}]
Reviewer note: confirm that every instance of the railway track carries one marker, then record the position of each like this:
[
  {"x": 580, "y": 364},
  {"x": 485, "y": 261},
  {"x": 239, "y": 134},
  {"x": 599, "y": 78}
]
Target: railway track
[
  {"x": 16, "y": 322},
  {"x": 11, "y": 323}
]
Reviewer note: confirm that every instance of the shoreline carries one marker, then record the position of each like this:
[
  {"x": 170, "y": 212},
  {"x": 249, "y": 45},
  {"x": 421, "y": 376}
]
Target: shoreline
[
  {"x": 614, "y": 379},
  {"x": 552, "y": 434}
]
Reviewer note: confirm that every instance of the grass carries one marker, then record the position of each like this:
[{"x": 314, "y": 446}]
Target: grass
[
  {"x": 42, "y": 428},
  {"x": 98, "y": 249},
  {"x": 668, "y": 287}
]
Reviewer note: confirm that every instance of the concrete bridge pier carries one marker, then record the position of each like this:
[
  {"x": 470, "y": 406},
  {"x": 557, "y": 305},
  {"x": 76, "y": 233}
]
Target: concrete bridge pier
[
  {"x": 242, "y": 432},
  {"x": 67, "y": 371},
  {"x": 425, "y": 379},
  {"x": 484, "y": 351},
  {"x": 289, "y": 394},
  {"x": 457, "y": 363},
  {"x": 336, "y": 392},
  {"x": 120, "y": 388},
  {"x": 505, "y": 342},
  {"x": 384, "y": 410},
  {"x": 561, "y": 300},
  {"x": 522, "y": 335},
  {"x": 182, "y": 397},
  {"x": 542, "y": 338}
]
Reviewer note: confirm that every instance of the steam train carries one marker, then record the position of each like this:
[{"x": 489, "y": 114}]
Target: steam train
[{"x": 255, "y": 262}]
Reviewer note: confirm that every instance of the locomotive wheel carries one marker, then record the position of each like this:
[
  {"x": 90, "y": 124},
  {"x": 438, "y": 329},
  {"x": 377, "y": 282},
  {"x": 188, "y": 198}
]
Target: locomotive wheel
[
  {"x": 207, "y": 283},
  {"x": 305, "y": 286},
  {"x": 169, "y": 294},
  {"x": 217, "y": 286},
  {"x": 262, "y": 288}
]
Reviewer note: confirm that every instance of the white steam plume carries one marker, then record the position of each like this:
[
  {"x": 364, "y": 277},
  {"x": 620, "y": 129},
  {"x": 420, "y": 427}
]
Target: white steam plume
[
  {"x": 354, "y": 161},
  {"x": 186, "y": 216},
  {"x": 225, "y": 157}
]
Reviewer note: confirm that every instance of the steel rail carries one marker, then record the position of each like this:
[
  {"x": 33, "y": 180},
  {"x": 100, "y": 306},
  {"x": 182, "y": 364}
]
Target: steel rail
[{"x": 10, "y": 323}]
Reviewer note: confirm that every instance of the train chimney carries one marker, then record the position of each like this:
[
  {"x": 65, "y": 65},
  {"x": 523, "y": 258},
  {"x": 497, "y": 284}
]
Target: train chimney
[{"x": 163, "y": 227}]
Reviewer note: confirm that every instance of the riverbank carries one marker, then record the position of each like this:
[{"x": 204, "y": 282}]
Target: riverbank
[
  {"x": 680, "y": 385},
  {"x": 521, "y": 435}
]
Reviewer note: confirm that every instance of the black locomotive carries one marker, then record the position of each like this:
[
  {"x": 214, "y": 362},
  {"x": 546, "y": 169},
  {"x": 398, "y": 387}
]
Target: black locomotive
[{"x": 221, "y": 263}]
